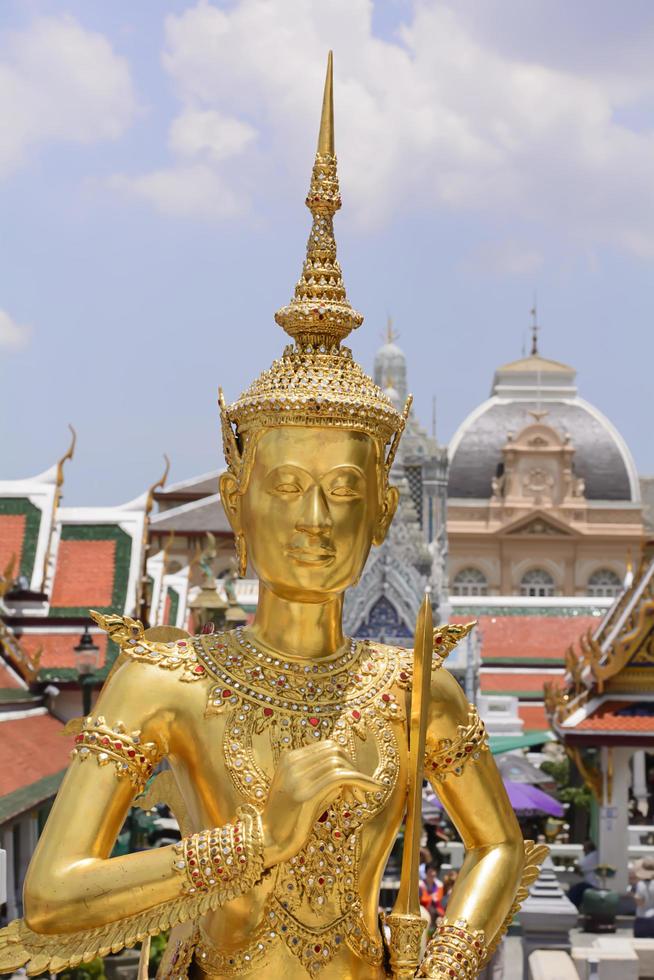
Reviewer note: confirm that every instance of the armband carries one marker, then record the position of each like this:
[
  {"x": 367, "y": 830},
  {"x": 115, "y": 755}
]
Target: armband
[
  {"x": 456, "y": 952},
  {"x": 228, "y": 858}
]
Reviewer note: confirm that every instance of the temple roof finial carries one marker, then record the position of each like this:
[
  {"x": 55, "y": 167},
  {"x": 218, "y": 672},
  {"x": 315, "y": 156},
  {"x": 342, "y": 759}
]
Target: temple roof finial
[
  {"x": 534, "y": 329},
  {"x": 391, "y": 335}
]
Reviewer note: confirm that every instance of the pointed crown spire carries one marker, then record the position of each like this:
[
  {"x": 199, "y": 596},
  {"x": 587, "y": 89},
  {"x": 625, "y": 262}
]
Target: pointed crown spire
[
  {"x": 316, "y": 381},
  {"x": 320, "y": 313}
]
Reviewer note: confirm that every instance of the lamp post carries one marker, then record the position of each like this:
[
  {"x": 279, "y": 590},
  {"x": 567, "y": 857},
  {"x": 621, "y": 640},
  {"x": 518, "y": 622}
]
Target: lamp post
[{"x": 87, "y": 658}]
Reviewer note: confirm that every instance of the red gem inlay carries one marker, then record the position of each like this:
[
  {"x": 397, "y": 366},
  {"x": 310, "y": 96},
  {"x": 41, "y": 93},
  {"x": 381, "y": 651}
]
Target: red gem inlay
[{"x": 314, "y": 722}]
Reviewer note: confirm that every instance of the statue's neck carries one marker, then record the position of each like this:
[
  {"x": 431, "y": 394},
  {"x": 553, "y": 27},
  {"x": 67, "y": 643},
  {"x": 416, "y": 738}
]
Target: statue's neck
[{"x": 308, "y": 630}]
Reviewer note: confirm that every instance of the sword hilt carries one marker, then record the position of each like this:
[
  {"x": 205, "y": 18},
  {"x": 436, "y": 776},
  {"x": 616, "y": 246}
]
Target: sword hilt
[{"x": 404, "y": 947}]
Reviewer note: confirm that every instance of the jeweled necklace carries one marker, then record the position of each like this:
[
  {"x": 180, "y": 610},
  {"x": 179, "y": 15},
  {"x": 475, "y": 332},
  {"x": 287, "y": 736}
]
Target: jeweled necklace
[
  {"x": 335, "y": 662},
  {"x": 244, "y": 671}
]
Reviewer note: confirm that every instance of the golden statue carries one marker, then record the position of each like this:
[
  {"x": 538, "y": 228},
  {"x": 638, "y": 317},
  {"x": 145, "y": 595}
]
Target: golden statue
[{"x": 288, "y": 743}]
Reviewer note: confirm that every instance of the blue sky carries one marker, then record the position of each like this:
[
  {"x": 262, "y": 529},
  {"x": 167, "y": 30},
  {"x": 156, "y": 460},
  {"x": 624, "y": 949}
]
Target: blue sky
[{"x": 154, "y": 160}]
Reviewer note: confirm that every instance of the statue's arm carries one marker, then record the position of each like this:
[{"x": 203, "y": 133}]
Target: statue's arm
[
  {"x": 462, "y": 771},
  {"x": 79, "y": 901}
]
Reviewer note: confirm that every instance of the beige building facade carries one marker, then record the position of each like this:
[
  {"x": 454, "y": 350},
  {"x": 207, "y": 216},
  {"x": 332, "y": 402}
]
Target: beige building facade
[{"x": 543, "y": 497}]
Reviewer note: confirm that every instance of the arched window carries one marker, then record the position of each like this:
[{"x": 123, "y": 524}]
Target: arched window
[
  {"x": 469, "y": 581},
  {"x": 604, "y": 582},
  {"x": 537, "y": 582}
]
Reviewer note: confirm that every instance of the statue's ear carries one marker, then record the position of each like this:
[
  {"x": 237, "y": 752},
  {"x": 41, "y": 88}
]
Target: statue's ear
[
  {"x": 231, "y": 499},
  {"x": 391, "y": 500}
]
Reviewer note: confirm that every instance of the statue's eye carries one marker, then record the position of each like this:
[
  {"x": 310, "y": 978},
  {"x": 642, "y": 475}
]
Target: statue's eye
[
  {"x": 343, "y": 492},
  {"x": 288, "y": 488}
]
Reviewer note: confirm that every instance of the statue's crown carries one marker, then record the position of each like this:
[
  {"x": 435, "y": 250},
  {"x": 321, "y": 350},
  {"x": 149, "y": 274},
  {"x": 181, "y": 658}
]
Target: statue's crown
[{"x": 316, "y": 381}]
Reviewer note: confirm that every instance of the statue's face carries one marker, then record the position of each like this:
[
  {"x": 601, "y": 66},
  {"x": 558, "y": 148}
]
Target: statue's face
[{"x": 311, "y": 510}]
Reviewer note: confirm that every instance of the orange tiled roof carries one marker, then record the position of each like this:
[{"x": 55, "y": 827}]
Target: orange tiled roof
[
  {"x": 12, "y": 533},
  {"x": 534, "y": 717},
  {"x": 524, "y": 638},
  {"x": 32, "y": 748},
  {"x": 85, "y": 574},
  {"x": 606, "y": 719},
  {"x": 519, "y": 681},
  {"x": 58, "y": 647},
  {"x": 8, "y": 678}
]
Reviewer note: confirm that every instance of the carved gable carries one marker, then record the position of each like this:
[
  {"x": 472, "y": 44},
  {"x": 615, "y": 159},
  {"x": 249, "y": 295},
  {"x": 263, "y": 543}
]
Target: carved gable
[
  {"x": 537, "y": 470},
  {"x": 538, "y": 525}
]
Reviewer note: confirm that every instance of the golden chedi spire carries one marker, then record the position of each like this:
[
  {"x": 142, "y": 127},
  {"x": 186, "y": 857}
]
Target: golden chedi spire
[
  {"x": 320, "y": 312},
  {"x": 316, "y": 381}
]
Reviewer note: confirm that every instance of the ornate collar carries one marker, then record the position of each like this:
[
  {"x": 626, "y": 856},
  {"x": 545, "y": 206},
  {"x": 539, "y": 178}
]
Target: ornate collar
[{"x": 244, "y": 673}]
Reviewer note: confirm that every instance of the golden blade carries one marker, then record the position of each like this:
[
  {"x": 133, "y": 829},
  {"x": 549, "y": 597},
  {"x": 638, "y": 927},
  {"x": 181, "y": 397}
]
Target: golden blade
[{"x": 408, "y": 902}]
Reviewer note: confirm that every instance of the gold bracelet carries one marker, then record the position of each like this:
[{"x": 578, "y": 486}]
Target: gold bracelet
[
  {"x": 126, "y": 752},
  {"x": 452, "y": 754},
  {"x": 456, "y": 952},
  {"x": 229, "y": 858}
]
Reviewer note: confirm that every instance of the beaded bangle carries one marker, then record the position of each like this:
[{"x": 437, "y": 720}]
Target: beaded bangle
[
  {"x": 455, "y": 952},
  {"x": 229, "y": 858},
  {"x": 126, "y": 752},
  {"x": 451, "y": 755}
]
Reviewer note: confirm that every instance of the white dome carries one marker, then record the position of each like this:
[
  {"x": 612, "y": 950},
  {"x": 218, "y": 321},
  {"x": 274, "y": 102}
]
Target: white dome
[{"x": 536, "y": 384}]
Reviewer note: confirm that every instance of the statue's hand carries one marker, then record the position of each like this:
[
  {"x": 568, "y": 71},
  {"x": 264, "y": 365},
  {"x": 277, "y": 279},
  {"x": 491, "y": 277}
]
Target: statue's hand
[{"x": 306, "y": 781}]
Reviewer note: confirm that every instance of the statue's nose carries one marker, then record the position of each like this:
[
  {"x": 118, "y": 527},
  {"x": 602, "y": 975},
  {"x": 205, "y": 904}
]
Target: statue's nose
[{"x": 315, "y": 518}]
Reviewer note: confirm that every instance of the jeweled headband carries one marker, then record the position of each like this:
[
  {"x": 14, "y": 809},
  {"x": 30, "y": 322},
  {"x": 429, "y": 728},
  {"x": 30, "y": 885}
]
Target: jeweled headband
[{"x": 316, "y": 381}]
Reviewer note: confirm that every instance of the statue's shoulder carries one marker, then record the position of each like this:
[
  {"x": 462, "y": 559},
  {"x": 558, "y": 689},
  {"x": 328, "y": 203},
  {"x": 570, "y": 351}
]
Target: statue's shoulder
[
  {"x": 444, "y": 687},
  {"x": 166, "y": 647},
  {"x": 446, "y": 637}
]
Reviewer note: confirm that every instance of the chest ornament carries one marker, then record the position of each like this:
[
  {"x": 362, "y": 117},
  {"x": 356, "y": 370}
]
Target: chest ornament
[
  {"x": 318, "y": 693},
  {"x": 313, "y": 905}
]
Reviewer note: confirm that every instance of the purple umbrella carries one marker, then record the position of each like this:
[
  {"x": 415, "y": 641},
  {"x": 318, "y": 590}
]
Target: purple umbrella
[{"x": 526, "y": 800}]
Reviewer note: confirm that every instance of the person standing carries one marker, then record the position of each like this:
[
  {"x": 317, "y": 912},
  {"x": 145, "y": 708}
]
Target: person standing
[
  {"x": 431, "y": 892},
  {"x": 643, "y": 892},
  {"x": 587, "y": 867}
]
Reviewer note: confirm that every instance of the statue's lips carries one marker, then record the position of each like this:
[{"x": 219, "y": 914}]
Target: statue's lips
[{"x": 311, "y": 556}]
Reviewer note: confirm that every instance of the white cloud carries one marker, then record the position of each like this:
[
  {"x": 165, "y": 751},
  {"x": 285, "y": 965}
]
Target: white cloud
[
  {"x": 442, "y": 118},
  {"x": 505, "y": 258},
  {"x": 13, "y": 336},
  {"x": 196, "y": 132},
  {"x": 194, "y": 191},
  {"x": 59, "y": 81}
]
